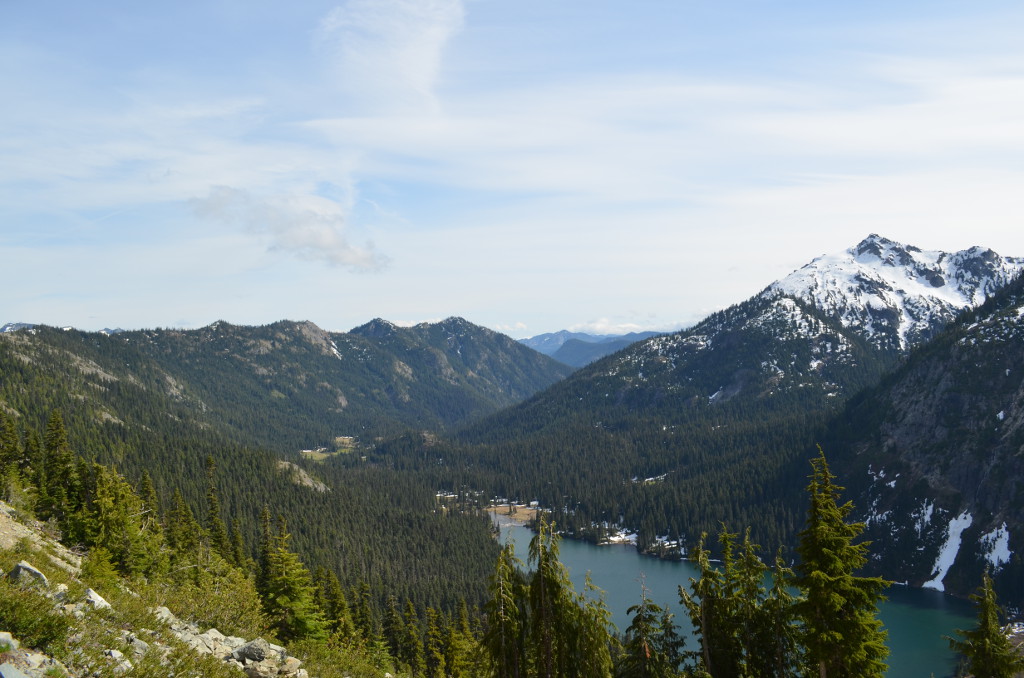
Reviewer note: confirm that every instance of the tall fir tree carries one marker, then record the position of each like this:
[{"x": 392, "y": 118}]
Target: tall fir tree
[
  {"x": 58, "y": 482},
  {"x": 10, "y": 443},
  {"x": 505, "y": 634},
  {"x": 841, "y": 633},
  {"x": 653, "y": 647},
  {"x": 568, "y": 634},
  {"x": 215, "y": 528},
  {"x": 289, "y": 598},
  {"x": 986, "y": 649}
]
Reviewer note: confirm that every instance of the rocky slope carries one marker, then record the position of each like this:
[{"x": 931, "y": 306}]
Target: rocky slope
[
  {"x": 936, "y": 454},
  {"x": 64, "y": 628}
]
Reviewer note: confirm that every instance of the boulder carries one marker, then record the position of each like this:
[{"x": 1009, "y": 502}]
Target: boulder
[
  {"x": 164, "y": 615},
  {"x": 60, "y": 593},
  {"x": 24, "y": 572},
  {"x": 11, "y": 671},
  {"x": 290, "y": 666},
  {"x": 256, "y": 651},
  {"x": 6, "y": 639},
  {"x": 96, "y": 600}
]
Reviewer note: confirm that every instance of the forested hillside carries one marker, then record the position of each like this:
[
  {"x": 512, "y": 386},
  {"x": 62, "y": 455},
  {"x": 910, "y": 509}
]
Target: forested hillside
[
  {"x": 163, "y": 401},
  {"x": 676, "y": 433}
]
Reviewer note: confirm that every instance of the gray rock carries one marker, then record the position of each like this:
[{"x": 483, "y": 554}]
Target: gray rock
[
  {"x": 10, "y": 671},
  {"x": 139, "y": 647},
  {"x": 24, "y": 572},
  {"x": 261, "y": 669},
  {"x": 96, "y": 600},
  {"x": 214, "y": 634},
  {"x": 254, "y": 651},
  {"x": 234, "y": 642},
  {"x": 60, "y": 593},
  {"x": 10, "y": 641},
  {"x": 164, "y": 615},
  {"x": 290, "y": 666},
  {"x": 34, "y": 660},
  {"x": 76, "y": 610}
]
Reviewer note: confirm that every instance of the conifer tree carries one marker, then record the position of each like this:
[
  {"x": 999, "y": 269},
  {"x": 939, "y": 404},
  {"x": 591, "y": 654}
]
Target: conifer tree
[
  {"x": 568, "y": 635},
  {"x": 433, "y": 647},
  {"x": 459, "y": 645},
  {"x": 505, "y": 636},
  {"x": 32, "y": 453},
  {"x": 653, "y": 647},
  {"x": 334, "y": 604},
  {"x": 150, "y": 500},
  {"x": 114, "y": 519},
  {"x": 986, "y": 649},
  {"x": 60, "y": 486},
  {"x": 288, "y": 594},
  {"x": 841, "y": 633},
  {"x": 709, "y": 607},
  {"x": 183, "y": 531},
  {"x": 10, "y": 443},
  {"x": 215, "y": 527},
  {"x": 238, "y": 553},
  {"x": 411, "y": 651}
]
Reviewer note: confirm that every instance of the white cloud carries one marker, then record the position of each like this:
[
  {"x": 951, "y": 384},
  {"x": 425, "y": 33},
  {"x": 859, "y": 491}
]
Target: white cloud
[
  {"x": 387, "y": 53},
  {"x": 305, "y": 226}
]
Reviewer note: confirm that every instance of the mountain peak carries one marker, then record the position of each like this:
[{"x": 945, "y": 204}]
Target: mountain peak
[
  {"x": 898, "y": 295},
  {"x": 378, "y": 328}
]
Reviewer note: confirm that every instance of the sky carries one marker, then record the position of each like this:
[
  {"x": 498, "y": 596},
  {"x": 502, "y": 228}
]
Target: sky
[{"x": 531, "y": 166}]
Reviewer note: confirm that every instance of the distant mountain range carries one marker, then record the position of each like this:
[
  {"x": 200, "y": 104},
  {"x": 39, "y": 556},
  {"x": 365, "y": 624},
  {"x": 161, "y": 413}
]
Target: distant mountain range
[
  {"x": 579, "y": 348},
  {"x": 288, "y": 385}
]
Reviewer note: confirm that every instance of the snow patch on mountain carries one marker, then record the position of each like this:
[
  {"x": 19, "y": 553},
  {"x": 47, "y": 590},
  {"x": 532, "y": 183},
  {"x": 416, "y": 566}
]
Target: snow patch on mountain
[
  {"x": 995, "y": 545},
  {"x": 949, "y": 551}
]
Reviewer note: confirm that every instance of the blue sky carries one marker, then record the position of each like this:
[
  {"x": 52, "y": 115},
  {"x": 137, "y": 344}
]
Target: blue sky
[{"x": 530, "y": 165}]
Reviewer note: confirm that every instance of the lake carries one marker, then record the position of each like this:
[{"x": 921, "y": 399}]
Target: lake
[{"x": 917, "y": 619}]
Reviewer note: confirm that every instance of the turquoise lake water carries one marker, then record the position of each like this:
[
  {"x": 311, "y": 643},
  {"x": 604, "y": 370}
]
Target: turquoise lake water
[{"x": 917, "y": 619}]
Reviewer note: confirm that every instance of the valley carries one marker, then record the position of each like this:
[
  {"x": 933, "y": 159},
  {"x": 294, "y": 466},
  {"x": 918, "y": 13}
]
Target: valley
[{"x": 382, "y": 448}]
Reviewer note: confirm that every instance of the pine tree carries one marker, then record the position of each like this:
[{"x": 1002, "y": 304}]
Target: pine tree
[
  {"x": 215, "y": 527},
  {"x": 10, "y": 443},
  {"x": 433, "y": 648},
  {"x": 288, "y": 594},
  {"x": 114, "y": 519},
  {"x": 568, "y": 634},
  {"x": 711, "y": 607},
  {"x": 653, "y": 647},
  {"x": 986, "y": 649},
  {"x": 412, "y": 644},
  {"x": 459, "y": 646},
  {"x": 842, "y": 634},
  {"x": 150, "y": 500},
  {"x": 60, "y": 489},
  {"x": 183, "y": 531},
  {"x": 505, "y": 637},
  {"x": 333, "y": 602}
]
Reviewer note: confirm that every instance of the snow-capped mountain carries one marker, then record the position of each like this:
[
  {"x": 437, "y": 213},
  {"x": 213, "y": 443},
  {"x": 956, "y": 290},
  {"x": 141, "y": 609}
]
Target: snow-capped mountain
[{"x": 896, "y": 295}]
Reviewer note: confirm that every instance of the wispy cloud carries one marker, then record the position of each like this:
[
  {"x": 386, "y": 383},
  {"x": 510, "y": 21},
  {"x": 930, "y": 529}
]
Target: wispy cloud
[
  {"x": 308, "y": 227},
  {"x": 386, "y": 54}
]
